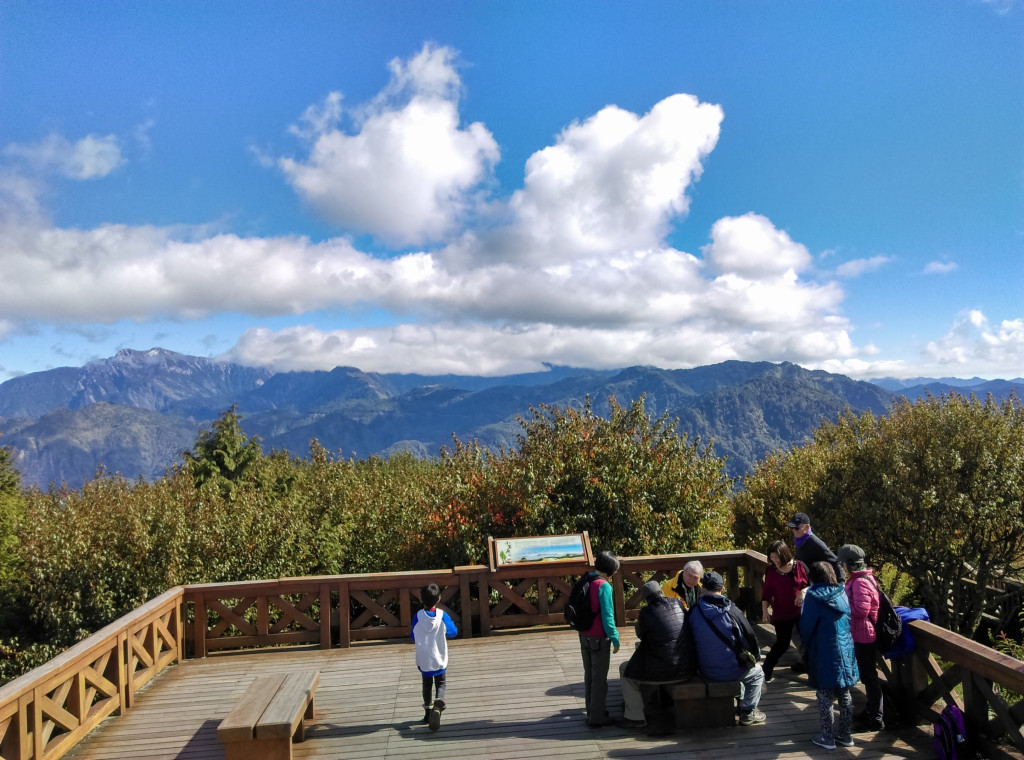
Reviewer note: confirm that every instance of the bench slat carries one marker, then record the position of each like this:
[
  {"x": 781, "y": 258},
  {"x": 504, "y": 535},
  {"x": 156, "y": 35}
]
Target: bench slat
[
  {"x": 284, "y": 713},
  {"x": 238, "y": 725}
]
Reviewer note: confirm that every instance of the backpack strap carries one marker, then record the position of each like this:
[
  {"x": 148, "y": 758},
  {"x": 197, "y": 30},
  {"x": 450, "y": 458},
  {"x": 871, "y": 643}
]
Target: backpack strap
[{"x": 733, "y": 645}]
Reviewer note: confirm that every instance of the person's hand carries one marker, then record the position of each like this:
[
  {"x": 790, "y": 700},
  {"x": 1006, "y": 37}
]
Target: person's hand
[{"x": 615, "y": 648}]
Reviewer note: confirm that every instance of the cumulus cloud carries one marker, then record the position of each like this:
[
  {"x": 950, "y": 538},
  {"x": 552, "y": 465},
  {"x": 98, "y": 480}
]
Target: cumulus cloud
[
  {"x": 614, "y": 181},
  {"x": 91, "y": 157},
  {"x": 408, "y": 174},
  {"x": 857, "y": 267},
  {"x": 572, "y": 268},
  {"x": 974, "y": 342},
  {"x": 750, "y": 247},
  {"x": 940, "y": 267}
]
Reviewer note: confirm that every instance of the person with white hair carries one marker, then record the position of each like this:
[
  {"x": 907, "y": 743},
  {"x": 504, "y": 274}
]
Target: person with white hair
[{"x": 685, "y": 585}]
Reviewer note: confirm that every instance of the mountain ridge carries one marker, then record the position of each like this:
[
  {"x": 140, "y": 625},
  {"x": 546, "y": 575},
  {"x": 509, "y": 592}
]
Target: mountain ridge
[{"x": 136, "y": 412}]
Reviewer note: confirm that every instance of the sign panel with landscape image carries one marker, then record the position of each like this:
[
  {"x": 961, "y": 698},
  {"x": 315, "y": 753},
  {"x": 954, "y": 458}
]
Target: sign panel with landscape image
[{"x": 535, "y": 550}]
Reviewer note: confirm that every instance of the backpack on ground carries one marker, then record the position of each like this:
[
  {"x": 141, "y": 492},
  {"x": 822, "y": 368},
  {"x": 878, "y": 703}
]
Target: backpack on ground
[
  {"x": 951, "y": 735},
  {"x": 577, "y": 611},
  {"x": 888, "y": 626}
]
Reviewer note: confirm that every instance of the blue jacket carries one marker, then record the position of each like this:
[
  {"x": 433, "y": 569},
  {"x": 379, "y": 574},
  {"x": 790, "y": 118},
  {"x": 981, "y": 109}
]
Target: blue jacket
[
  {"x": 716, "y": 660},
  {"x": 825, "y": 631}
]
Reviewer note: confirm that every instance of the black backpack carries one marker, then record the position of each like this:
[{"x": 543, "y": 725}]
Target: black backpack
[
  {"x": 577, "y": 611},
  {"x": 889, "y": 625}
]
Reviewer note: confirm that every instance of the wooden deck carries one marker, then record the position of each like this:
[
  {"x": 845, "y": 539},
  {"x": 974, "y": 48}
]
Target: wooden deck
[{"x": 514, "y": 695}]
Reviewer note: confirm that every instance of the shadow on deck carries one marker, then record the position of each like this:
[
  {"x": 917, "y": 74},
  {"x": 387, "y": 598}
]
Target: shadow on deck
[{"x": 511, "y": 695}]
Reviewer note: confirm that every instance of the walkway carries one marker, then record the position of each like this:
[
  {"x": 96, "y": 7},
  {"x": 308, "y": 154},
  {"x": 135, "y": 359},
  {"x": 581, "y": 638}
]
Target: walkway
[{"x": 513, "y": 695}]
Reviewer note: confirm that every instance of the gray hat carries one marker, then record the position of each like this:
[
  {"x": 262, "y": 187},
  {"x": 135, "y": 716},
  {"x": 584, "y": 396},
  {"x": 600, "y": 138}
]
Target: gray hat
[
  {"x": 606, "y": 563},
  {"x": 712, "y": 581},
  {"x": 650, "y": 590},
  {"x": 852, "y": 555}
]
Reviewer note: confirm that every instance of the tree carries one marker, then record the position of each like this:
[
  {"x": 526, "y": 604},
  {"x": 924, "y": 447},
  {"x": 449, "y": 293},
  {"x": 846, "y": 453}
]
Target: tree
[
  {"x": 224, "y": 456},
  {"x": 936, "y": 488},
  {"x": 635, "y": 484}
]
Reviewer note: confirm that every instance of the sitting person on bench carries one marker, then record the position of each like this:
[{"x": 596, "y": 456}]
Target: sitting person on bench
[
  {"x": 663, "y": 654},
  {"x": 727, "y": 649}
]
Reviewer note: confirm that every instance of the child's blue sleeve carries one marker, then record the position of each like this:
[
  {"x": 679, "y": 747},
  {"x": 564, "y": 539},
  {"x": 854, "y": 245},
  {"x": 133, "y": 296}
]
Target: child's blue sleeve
[
  {"x": 607, "y": 604},
  {"x": 449, "y": 626}
]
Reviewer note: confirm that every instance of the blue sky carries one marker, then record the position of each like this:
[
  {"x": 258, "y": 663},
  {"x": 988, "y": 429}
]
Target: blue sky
[{"x": 486, "y": 188}]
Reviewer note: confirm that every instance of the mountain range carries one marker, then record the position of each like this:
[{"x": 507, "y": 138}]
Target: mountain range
[{"x": 135, "y": 413}]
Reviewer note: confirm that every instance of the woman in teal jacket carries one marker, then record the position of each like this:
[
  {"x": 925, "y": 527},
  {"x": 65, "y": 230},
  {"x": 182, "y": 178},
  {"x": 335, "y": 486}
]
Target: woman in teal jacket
[{"x": 831, "y": 663}]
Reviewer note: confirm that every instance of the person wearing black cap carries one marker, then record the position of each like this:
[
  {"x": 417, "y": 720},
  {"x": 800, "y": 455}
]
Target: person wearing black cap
[
  {"x": 600, "y": 641},
  {"x": 810, "y": 548},
  {"x": 664, "y": 653},
  {"x": 727, "y": 649}
]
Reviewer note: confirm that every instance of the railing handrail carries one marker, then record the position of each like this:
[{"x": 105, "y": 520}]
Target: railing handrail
[
  {"x": 527, "y": 595},
  {"x": 84, "y": 648}
]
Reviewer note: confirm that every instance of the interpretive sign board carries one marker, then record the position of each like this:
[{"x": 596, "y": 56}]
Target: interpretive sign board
[{"x": 540, "y": 550}]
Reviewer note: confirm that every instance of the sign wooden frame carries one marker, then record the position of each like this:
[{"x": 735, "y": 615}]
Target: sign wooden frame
[{"x": 534, "y": 551}]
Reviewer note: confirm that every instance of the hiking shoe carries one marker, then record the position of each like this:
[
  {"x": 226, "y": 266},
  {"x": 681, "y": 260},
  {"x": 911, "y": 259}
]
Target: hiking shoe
[
  {"x": 426, "y": 716},
  {"x": 752, "y": 718},
  {"x": 821, "y": 741},
  {"x": 630, "y": 723},
  {"x": 434, "y": 721},
  {"x": 869, "y": 724},
  {"x": 844, "y": 741}
]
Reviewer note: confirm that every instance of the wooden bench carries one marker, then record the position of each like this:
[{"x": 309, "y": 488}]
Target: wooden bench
[
  {"x": 705, "y": 704},
  {"x": 268, "y": 716}
]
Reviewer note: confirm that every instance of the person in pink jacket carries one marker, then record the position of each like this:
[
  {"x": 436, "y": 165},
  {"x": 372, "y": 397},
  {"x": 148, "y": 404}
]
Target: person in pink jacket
[{"x": 862, "y": 592}]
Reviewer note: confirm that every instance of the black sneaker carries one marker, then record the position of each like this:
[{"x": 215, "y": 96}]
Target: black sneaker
[
  {"x": 630, "y": 723},
  {"x": 434, "y": 719}
]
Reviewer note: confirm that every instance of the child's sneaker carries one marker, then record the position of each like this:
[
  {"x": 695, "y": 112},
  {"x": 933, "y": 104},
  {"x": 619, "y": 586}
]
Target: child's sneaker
[
  {"x": 426, "y": 715},
  {"x": 844, "y": 741},
  {"x": 434, "y": 719},
  {"x": 821, "y": 741}
]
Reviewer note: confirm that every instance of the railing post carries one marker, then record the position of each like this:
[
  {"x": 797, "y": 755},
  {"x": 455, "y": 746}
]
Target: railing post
[
  {"x": 325, "y": 615},
  {"x": 199, "y": 623},
  {"x": 484, "y": 590},
  {"x": 465, "y": 601},
  {"x": 344, "y": 613},
  {"x": 619, "y": 596}
]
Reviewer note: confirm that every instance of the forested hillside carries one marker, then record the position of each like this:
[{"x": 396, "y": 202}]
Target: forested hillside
[{"x": 135, "y": 413}]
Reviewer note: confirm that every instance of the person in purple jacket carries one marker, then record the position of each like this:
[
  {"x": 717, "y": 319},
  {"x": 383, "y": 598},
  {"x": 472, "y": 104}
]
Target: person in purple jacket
[
  {"x": 431, "y": 629},
  {"x": 599, "y": 642}
]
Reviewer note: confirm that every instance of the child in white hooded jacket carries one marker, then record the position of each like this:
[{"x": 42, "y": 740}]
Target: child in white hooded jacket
[{"x": 431, "y": 629}]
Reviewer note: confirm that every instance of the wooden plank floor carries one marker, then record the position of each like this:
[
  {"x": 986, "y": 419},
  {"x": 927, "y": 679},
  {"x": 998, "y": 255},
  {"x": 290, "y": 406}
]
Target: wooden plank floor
[{"x": 510, "y": 696}]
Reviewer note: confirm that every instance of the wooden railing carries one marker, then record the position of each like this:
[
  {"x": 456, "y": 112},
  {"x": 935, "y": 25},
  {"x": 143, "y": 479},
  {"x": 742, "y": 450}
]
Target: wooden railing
[
  {"x": 48, "y": 710},
  {"x": 45, "y": 712},
  {"x": 976, "y": 679}
]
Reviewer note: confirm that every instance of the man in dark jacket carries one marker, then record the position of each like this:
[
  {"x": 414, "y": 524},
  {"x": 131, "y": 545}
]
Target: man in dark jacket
[
  {"x": 727, "y": 648},
  {"x": 810, "y": 548},
  {"x": 665, "y": 652}
]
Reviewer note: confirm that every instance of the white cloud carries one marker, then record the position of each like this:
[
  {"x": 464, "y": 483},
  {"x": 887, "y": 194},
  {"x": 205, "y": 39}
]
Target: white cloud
[
  {"x": 408, "y": 175},
  {"x": 857, "y": 267},
  {"x": 940, "y": 267},
  {"x": 750, "y": 246},
  {"x": 574, "y": 268},
  {"x": 91, "y": 157},
  {"x": 615, "y": 180},
  {"x": 974, "y": 344}
]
